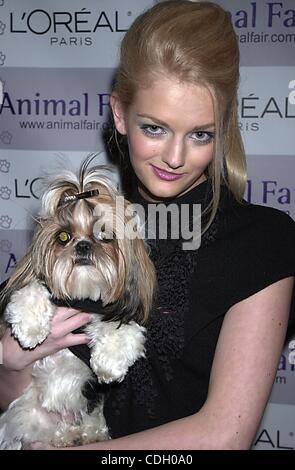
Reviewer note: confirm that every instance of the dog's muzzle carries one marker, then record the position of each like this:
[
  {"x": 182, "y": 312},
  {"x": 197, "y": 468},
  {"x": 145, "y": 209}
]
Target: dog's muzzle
[{"x": 83, "y": 251}]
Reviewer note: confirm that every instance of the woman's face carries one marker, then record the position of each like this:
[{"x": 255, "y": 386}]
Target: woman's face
[{"x": 170, "y": 129}]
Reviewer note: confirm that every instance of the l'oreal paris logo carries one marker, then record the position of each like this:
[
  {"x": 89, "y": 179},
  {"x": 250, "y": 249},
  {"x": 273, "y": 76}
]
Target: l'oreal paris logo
[
  {"x": 256, "y": 107},
  {"x": 274, "y": 439},
  {"x": 274, "y": 14},
  {"x": 41, "y": 22}
]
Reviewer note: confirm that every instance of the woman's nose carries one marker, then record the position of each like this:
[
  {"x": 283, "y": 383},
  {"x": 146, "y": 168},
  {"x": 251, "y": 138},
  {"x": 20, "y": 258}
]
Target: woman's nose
[{"x": 174, "y": 153}]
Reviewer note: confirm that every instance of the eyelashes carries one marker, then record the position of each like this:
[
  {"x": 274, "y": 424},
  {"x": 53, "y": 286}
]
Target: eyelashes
[
  {"x": 200, "y": 137},
  {"x": 203, "y": 137},
  {"x": 152, "y": 130}
]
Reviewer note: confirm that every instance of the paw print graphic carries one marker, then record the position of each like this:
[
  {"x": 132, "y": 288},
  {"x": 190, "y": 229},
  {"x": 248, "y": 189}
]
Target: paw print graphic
[
  {"x": 5, "y": 246},
  {"x": 6, "y": 137},
  {"x": 5, "y": 192},
  {"x": 2, "y": 27},
  {"x": 4, "y": 166},
  {"x": 2, "y": 58},
  {"x": 5, "y": 221}
]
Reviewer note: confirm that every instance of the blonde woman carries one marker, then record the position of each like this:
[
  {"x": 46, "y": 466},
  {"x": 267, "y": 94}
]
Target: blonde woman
[{"x": 220, "y": 317}]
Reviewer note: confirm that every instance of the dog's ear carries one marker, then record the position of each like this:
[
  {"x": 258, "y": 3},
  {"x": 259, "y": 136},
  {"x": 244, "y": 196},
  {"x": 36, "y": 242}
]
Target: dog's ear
[
  {"x": 140, "y": 271},
  {"x": 136, "y": 281},
  {"x": 133, "y": 293},
  {"x": 135, "y": 288},
  {"x": 21, "y": 276},
  {"x": 142, "y": 282}
]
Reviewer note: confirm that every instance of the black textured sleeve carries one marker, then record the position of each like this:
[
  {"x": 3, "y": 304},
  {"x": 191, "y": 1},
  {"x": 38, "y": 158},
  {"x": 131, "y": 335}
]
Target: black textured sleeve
[
  {"x": 260, "y": 252},
  {"x": 255, "y": 247}
]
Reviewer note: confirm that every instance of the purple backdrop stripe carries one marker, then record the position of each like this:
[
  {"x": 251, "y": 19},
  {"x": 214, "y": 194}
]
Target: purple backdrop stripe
[{"x": 54, "y": 109}]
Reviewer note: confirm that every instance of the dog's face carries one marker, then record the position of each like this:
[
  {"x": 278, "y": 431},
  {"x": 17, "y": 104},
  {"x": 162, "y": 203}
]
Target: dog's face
[
  {"x": 83, "y": 247},
  {"x": 77, "y": 254}
]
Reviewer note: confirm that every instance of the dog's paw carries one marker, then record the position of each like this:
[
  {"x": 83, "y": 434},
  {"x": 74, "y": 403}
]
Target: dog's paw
[
  {"x": 116, "y": 351},
  {"x": 105, "y": 370},
  {"x": 80, "y": 435},
  {"x": 71, "y": 436},
  {"x": 29, "y": 313}
]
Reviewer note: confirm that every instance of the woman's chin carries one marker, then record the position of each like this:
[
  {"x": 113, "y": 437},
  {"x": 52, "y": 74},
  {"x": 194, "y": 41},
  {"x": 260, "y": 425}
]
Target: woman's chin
[{"x": 158, "y": 195}]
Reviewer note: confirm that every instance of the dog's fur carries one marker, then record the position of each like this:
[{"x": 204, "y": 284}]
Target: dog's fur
[{"x": 77, "y": 252}]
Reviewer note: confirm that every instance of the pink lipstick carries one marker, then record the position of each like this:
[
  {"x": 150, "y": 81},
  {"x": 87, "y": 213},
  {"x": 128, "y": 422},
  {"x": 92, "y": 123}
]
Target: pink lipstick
[{"x": 166, "y": 175}]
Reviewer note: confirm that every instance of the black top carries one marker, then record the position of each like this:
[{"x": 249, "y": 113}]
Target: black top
[{"x": 247, "y": 248}]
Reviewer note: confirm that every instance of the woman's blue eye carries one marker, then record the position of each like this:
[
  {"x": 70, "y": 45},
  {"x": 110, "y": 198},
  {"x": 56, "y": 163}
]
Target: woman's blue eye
[
  {"x": 203, "y": 137},
  {"x": 152, "y": 129}
]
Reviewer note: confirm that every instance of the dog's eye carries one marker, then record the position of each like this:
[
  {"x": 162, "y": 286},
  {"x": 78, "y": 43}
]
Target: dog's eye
[{"x": 63, "y": 237}]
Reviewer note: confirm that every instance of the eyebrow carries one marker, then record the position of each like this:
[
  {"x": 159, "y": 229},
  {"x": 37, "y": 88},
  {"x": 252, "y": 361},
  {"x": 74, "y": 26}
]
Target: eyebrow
[{"x": 162, "y": 123}]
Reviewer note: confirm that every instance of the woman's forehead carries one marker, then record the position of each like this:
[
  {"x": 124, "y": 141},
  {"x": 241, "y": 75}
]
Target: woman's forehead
[{"x": 168, "y": 99}]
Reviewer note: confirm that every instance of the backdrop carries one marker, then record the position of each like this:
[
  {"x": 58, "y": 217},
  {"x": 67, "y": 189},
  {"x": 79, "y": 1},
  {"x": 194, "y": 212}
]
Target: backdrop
[{"x": 56, "y": 62}]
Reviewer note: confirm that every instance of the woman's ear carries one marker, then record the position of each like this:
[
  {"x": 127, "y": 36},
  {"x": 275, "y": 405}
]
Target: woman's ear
[{"x": 118, "y": 114}]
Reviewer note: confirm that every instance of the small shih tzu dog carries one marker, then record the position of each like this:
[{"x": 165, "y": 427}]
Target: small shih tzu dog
[{"x": 84, "y": 247}]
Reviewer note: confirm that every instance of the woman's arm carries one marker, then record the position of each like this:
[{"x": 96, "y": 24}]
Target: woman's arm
[
  {"x": 246, "y": 361},
  {"x": 244, "y": 368},
  {"x": 15, "y": 372}
]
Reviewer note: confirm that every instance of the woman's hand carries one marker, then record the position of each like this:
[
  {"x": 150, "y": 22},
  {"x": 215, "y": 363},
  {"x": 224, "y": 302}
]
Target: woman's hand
[
  {"x": 64, "y": 322},
  {"x": 15, "y": 371}
]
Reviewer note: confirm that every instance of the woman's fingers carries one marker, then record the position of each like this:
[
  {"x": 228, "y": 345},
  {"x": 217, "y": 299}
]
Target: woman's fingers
[
  {"x": 63, "y": 313},
  {"x": 75, "y": 339},
  {"x": 64, "y": 323}
]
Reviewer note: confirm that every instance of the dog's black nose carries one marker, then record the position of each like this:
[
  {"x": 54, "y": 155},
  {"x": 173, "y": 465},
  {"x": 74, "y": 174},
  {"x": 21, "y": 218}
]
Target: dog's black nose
[{"x": 83, "y": 248}]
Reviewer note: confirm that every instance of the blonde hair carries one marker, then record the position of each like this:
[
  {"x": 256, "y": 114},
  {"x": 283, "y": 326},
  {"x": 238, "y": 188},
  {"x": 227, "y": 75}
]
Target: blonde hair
[{"x": 196, "y": 43}]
